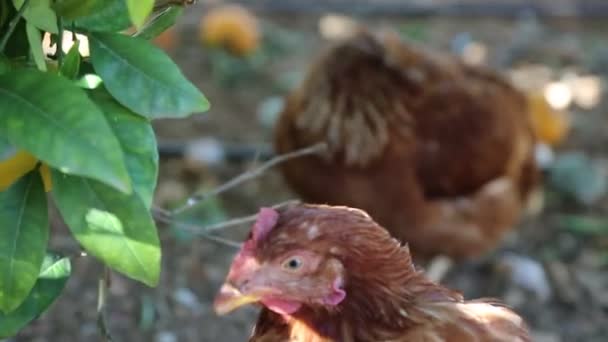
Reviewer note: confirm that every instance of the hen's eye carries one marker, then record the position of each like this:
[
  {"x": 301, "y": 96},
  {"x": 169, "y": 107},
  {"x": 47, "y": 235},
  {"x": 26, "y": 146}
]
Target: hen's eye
[{"x": 292, "y": 263}]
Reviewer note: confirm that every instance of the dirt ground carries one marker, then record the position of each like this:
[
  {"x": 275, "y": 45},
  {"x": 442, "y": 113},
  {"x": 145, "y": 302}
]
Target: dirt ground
[{"x": 560, "y": 282}]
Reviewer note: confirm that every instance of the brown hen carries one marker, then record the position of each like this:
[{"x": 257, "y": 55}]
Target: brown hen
[
  {"x": 438, "y": 152},
  {"x": 327, "y": 273}
]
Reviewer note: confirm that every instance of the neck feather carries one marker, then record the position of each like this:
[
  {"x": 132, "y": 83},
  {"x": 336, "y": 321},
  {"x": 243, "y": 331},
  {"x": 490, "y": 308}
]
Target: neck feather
[{"x": 387, "y": 294}]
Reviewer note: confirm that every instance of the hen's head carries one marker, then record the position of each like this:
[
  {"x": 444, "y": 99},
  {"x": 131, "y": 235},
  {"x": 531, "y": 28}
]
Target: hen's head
[{"x": 310, "y": 256}]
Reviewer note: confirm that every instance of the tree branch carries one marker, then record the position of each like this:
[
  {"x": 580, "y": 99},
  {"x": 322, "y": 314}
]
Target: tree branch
[
  {"x": 196, "y": 230},
  {"x": 168, "y": 217},
  {"x": 205, "y": 232},
  {"x": 251, "y": 174}
]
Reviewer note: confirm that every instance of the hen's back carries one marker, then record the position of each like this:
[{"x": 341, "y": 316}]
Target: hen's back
[{"x": 404, "y": 128}]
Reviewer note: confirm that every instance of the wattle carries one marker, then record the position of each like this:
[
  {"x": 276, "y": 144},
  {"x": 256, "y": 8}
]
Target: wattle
[{"x": 280, "y": 306}]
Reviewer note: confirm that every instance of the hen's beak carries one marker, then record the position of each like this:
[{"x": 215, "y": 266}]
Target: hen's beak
[{"x": 230, "y": 298}]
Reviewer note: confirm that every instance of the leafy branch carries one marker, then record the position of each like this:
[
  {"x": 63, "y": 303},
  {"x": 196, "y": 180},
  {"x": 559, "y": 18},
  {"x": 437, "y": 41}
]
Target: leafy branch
[{"x": 89, "y": 145}]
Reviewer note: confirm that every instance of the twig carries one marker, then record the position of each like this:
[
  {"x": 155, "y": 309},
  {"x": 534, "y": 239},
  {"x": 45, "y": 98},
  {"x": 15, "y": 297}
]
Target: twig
[
  {"x": 102, "y": 294},
  {"x": 244, "y": 220},
  {"x": 74, "y": 38},
  {"x": 12, "y": 24},
  {"x": 201, "y": 231},
  {"x": 163, "y": 4},
  {"x": 251, "y": 174},
  {"x": 231, "y": 223},
  {"x": 59, "y": 41},
  {"x": 167, "y": 216},
  {"x": 161, "y": 215}
]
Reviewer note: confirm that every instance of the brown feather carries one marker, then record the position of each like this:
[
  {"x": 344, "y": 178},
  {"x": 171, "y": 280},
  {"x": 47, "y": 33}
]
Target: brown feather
[{"x": 411, "y": 137}]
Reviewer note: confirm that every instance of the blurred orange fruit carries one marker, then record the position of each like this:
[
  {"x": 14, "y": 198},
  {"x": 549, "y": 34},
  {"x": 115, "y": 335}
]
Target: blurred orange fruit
[
  {"x": 45, "y": 173},
  {"x": 19, "y": 164},
  {"x": 550, "y": 125},
  {"x": 232, "y": 27},
  {"x": 15, "y": 167}
]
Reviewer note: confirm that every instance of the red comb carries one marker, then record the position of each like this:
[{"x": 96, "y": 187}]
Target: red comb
[{"x": 266, "y": 220}]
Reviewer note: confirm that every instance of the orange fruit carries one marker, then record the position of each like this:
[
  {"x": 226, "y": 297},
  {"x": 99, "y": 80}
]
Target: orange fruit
[
  {"x": 45, "y": 173},
  {"x": 15, "y": 167},
  {"x": 232, "y": 27},
  {"x": 550, "y": 125},
  {"x": 18, "y": 165}
]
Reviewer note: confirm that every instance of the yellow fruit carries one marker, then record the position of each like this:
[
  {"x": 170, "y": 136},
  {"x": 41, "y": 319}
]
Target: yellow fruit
[
  {"x": 232, "y": 27},
  {"x": 45, "y": 173},
  {"x": 15, "y": 167},
  {"x": 550, "y": 125}
]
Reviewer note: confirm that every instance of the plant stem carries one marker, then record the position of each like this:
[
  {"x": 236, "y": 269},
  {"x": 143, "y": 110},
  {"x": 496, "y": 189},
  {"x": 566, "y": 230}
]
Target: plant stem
[
  {"x": 12, "y": 25},
  {"x": 74, "y": 32},
  {"x": 251, "y": 174},
  {"x": 59, "y": 42},
  {"x": 102, "y": 294},
  {"x": 162, "y": 215},
  {"x": 161, "y": 5}
]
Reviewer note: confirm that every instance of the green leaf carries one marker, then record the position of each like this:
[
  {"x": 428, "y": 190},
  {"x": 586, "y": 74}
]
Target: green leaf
[
  {"x": 17, "y": 46},
  {"x": 34, "y": 38},
  {"x": 55, "y": 120},
  {"x": 24, "y": 234},
  {"x": 139, "y": 10},
  {"x": 72, "y": 9},
  {"x": 40, "y": 14},
  {"x": 113, "y": 16},
  {"x": 5, "y": 64},
  {"x": 6, "y": 149},
  {"x": 138, "y": 142},
  {"x": 110, "y": 225},
  {"x": 143, "y": 78},
  {"x": 4, "y": 12},
  {"x": 71, "y": 62},
  {"x": 53, "y": 276},
  {"x": 160, "y": 22}
]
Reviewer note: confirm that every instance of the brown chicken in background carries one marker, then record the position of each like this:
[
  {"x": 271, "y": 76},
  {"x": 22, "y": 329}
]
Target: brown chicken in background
[
  {"x": 327, "y": 273},
  {"x": 438, "y": 152}
]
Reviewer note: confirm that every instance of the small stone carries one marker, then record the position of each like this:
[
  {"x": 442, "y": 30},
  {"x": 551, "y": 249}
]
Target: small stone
[
  {"x": 542, "y": 336},
  {"x": 165, "y": 336},
  {"x": 186, "y": 298},
  {"x": 208, "y": 151},
  {"x": 528, "y": 274}
]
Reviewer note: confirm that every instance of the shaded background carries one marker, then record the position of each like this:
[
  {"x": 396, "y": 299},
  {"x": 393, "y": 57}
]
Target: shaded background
[{"x": 553, "y": 270}]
